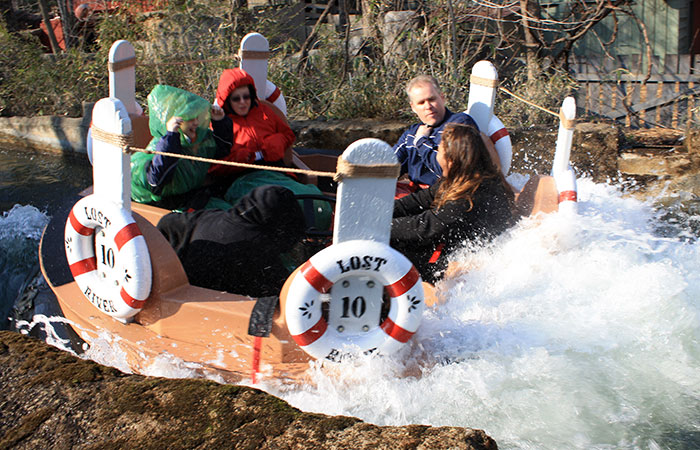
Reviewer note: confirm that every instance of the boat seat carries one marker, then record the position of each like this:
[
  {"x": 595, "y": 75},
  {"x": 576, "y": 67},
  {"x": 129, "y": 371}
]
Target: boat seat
[{"x": 141, "y": 131}]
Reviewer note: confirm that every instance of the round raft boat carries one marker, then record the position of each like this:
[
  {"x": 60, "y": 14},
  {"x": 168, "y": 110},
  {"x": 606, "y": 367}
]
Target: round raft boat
[{"x": 113, "y": 272}]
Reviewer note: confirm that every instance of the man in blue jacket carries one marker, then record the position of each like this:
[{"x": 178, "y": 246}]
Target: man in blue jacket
[{"x": 416, "y": 149}]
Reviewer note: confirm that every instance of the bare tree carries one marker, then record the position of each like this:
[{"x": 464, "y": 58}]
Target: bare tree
[{"x": 553, "y": 30}]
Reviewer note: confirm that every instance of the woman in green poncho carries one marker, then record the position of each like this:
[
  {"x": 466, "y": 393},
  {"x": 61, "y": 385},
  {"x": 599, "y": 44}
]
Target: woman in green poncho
[{"x": 179, "y": 123}]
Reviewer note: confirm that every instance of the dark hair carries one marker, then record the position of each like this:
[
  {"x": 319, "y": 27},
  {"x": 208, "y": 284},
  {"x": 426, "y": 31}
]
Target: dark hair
[
  {"x": 253, "y": 100},
  {"x": 470, "y": 164}
]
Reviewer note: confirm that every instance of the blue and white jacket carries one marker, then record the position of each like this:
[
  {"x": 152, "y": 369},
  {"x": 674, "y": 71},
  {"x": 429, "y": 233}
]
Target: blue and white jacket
[{"x": 418, "y": 157}]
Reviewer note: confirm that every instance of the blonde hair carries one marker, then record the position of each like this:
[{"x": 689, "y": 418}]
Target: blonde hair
[{"x": 420, "y": 80}]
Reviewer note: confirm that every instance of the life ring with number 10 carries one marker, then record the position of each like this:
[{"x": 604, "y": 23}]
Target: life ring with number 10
[
  {"x": 108, "y": 257},
  {"x": 353, "y": 276}
]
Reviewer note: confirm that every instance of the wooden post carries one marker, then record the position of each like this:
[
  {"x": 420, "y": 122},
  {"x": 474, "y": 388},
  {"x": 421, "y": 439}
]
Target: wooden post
[
  {"x": 482, "y": 97},
  {"x": 482, "y": 93},
  {"x": 43, "y": 6},
  {"x": 254, "y": 53}
]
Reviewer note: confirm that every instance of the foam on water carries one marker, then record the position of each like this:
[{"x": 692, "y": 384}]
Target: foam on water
[
  {"x": 20, "y": 231},
  {"x": 563, "y": 334}
]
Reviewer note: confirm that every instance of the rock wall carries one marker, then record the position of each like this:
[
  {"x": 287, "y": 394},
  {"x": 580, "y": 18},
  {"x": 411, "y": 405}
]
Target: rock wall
[
  {"x": 51, "y": 399},
  {"x": 45, "y": 133}
]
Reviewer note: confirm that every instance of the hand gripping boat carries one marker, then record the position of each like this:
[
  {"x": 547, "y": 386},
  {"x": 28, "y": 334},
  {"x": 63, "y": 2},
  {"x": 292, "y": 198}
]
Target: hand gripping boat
[{"x": 120, "y": 275}]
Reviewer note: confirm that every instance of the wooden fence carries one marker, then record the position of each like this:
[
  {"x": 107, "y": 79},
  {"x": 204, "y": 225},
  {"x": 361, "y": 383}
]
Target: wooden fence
[{"x": 619, "y": 89}]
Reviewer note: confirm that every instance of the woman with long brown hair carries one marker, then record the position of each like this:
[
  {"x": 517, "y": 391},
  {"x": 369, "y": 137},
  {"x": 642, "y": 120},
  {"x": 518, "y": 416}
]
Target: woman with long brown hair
[{"x": 470, "y": 203}]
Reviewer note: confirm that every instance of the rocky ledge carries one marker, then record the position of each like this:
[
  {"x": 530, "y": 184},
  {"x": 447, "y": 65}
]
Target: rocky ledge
[{"x": 51, "y": 399}]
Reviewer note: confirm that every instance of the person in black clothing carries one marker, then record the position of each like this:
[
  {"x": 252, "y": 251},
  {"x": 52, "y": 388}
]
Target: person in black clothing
[
  {"x": 471, "y": 202},
  {"x": 238, "y": 250}
]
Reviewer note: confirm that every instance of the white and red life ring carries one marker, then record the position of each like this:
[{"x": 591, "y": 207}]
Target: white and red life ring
[
  {"x": 358, "y": 272},
  {"x": 501, "y": 140},
  {"x": 117, "y": 277}
]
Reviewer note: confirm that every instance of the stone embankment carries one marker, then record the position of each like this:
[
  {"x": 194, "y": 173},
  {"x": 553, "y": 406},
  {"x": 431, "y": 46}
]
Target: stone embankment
[
  {"x": 659, "y": 160},
  {"x": 51, "y": 399}
]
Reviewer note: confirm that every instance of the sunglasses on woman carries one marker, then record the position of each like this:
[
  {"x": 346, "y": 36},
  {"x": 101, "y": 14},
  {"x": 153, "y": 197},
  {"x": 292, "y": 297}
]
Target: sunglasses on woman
[{"x": 238, "y": 98}]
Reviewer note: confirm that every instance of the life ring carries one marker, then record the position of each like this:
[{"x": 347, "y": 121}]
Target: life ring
[
  {"x": 116, "y": 278},
  {"x": 358, "y": 272},
  {"x": 501, "y": 140}
]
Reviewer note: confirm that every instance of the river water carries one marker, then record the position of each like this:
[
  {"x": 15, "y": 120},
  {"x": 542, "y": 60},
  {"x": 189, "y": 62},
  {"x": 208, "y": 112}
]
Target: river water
[{"x": 567, "y": 333}]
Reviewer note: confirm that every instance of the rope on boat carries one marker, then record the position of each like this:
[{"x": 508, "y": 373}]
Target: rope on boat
[
  {"x": 251, "y": 54},
  {"x": 569, "y": 124},
  {"x": 531, "y": 104},
  {"x": 344, "y": 168},
  {"x": 120, "y": 140},
  {"x": 488, "y": 82},
  {"x": 247, "y": 54},
  {"x": 190, "y": 61}
]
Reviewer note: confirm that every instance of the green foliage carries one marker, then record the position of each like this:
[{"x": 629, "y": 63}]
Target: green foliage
[
  {"x": 31, "y": 81},
  {"x": 334, "y": 88},
  {"x": 546, "y": 91},
  {"x": 190, "y": 43}
]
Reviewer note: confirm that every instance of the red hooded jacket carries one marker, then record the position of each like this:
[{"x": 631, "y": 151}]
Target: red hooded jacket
[{"x": 261, "y": 130}]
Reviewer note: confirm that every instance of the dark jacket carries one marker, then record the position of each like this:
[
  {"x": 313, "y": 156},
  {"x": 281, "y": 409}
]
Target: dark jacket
[
  {"x": 418, "y": 157},
  {"x": 238, "y": 250},
  {"x": 418, "y": 229},
  {"x": 261, "y": 135},
  {"x": 161, "y": 170}
]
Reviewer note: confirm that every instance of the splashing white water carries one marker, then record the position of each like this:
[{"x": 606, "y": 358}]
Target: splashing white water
[
  {"x": 580, "y": 334},
  {"x": 563, "y": 334},
  {"x": 20, "y": 230},
  {"x": 22, "y": 221}
]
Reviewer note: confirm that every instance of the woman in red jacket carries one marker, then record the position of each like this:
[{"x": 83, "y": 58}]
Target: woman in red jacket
[{"x": 254, "y": 130}]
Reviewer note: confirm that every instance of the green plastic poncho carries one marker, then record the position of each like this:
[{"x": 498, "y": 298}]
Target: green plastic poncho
[{"x": 165, "y": 102}]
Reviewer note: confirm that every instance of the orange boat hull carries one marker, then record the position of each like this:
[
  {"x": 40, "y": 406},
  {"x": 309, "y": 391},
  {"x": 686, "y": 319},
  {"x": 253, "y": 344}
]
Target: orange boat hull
[{"x": 196, "y": 325}]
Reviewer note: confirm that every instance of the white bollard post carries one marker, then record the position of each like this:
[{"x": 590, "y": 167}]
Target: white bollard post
[
  {"x": 483, "y": 84},
  {"x": 254, "y": 53},
  {"x": 562, "y": 154},
  {"x": 566, "y": 187},
  {"x": 498, "y": 134},
  {"x": 563, "y": 174},
  {"x": 482, "y": 93},
  {"x": 122, "y": 75},
  {"x": 111, "y": 166},
  {"x": 364, "y": 206},
  {"x": 275, "y": 96}
]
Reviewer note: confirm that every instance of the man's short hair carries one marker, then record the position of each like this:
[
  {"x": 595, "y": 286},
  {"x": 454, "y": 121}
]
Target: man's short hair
[{"x": 422, "y": 79}]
